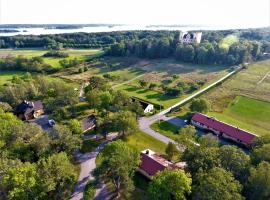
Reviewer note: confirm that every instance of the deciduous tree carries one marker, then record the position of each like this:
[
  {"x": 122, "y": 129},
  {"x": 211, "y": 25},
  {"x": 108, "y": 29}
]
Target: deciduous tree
[
  {"x": 170, "y": 184},
  {"x": 216, "y": 184},
  {"x": 118, "y": 166}
]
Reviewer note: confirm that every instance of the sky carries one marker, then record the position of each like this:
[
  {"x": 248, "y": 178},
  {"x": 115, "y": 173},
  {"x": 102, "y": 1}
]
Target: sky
[{"x": 250, "y": 13}]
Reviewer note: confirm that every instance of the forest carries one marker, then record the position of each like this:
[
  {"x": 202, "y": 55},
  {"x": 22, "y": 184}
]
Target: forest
[{"x": 228, "y": 47}]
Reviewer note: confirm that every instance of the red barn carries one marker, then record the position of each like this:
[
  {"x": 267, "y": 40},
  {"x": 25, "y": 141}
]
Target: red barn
[{"x": 223, "y": 129}]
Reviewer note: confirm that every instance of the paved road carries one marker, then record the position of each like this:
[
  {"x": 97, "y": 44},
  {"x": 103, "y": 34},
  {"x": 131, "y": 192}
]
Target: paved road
[
  {"x": 88, "y": 164},
  {"x": 145, "y": 122}
]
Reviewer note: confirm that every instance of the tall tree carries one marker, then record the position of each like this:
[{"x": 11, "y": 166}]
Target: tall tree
[
  {"x": 57, "y": 176},
  {"x": 216, "y": 184},
  {"x": 75, "y": 126},
  {"x": 199, "y": 158},
  {"x": 93, "y": 98},
  {"x": 261, "y": 154},
  {"x": 258, "y": 186},
  {"x": 171, "y": 150},
  {"x": 64, "y": 140},
  {"x": 187, "y": 136},
  {"x": 200, "y": 105},
  {"x": 125, "y": 122},
  {"x": 170, "y": 184},
  {"x": 22, "y": 182},
  {"x": 235, "y": 161},
  {"x": 118, "y": 165}
]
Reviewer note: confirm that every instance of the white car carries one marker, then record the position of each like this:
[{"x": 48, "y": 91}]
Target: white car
[{"x": 51, "y": 122}]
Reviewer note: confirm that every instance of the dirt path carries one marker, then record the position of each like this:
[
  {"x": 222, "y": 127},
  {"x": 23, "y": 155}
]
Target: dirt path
[
  {"x": 266, "y": 75},
  {"x": 127, "y": 82}
]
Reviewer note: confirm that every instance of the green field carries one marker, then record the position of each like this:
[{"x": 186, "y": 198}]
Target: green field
[
  {"x": 247, "y": 113},
  {"x": 149, "y": 95},
  {"x": 161, "y": 72},
  {"x": 251, "y": 82},
  {"x": 166, "y": 129},
  {"x": 80, "y": 54},
  {"x": 6, "y": 76},
  {"x": 143, "y": 141}
]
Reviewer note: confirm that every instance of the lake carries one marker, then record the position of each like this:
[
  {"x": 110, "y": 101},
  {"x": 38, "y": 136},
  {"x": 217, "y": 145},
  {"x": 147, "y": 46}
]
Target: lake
[{"x": 95, "y": 29}]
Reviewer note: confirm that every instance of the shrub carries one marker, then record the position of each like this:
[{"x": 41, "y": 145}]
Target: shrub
[{"x": 89, "y": 191}]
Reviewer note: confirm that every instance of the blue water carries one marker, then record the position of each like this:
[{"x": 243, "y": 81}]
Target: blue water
[{"x": 43, "y": 31}]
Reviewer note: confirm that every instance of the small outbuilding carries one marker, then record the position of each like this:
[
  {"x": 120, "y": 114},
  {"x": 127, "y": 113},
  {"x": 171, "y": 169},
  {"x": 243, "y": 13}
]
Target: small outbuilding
[
  {"x": 88, "y": 123},
  {"x": 147, "y": 107}
]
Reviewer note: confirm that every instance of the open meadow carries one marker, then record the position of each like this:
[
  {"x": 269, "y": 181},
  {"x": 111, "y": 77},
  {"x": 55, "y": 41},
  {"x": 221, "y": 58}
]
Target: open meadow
[
  {"x": 170, "y": 73},
  {"x": 80, "y": 54},
  {"x": 244, "y": 100}
]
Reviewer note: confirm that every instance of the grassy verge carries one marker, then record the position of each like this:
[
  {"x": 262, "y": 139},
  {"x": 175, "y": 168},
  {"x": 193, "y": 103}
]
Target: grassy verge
[{"x": 166, "y": 129}]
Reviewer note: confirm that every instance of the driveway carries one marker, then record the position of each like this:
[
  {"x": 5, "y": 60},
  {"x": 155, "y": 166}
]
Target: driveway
[
  {"x": 43, "y": 122},
  {"x": 88, "y": 164}
]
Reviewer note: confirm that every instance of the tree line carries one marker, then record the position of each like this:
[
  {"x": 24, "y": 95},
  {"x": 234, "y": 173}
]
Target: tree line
[{"x": 209, "y": 51}]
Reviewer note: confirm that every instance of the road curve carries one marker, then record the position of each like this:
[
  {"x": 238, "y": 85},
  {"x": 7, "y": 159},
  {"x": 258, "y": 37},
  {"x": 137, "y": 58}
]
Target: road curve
[{"x": 145, "y": 122}]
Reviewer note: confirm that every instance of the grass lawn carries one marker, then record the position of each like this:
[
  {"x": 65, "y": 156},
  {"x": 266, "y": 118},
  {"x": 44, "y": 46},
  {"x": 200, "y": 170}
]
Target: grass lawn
[
  {"x": 247, "y": 113},
  {"x": 6, "y": 76},
  {"x": 166, "y": 129},
  {"x": 149, "y": 95},
  {"x": 141, "y": 141}
]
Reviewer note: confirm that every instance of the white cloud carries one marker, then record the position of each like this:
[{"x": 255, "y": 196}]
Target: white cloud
[{"x": 209, "y": 12}]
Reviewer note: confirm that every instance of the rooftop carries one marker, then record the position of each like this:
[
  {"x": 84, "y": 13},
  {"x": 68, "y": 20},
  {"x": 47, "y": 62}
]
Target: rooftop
[{"x": 223, "y": 127}]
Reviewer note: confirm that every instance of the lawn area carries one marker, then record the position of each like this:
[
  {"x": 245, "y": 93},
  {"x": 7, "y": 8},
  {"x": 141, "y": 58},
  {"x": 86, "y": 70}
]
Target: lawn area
[
  {"x": 247, "y": 113},
  {"x": 166, "y": 129},
  {"x": 141, "y": 141},
  {"x": 6, "y": 76}
]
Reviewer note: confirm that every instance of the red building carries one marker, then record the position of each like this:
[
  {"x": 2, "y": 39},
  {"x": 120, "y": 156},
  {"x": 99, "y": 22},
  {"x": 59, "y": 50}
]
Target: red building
[
  {"x": 222, "y": 129},
  {"x": 151, "y": 163}
]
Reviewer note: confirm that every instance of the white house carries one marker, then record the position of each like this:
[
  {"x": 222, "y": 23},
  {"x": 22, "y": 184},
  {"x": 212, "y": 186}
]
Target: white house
[
  {"x": 190, "y": 38},
  {"x": 147, "y": 107}
]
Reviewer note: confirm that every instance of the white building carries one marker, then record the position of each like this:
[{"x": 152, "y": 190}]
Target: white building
[{"x": 190, "y": 38}]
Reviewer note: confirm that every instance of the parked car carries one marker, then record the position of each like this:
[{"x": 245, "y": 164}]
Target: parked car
[{"x": 51, "y": 122}]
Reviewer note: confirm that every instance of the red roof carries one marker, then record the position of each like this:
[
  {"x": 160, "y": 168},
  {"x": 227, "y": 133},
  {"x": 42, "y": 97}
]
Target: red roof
[
  {"x": 149, "y": 165},
  {"x": 227, "y": 129}
]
